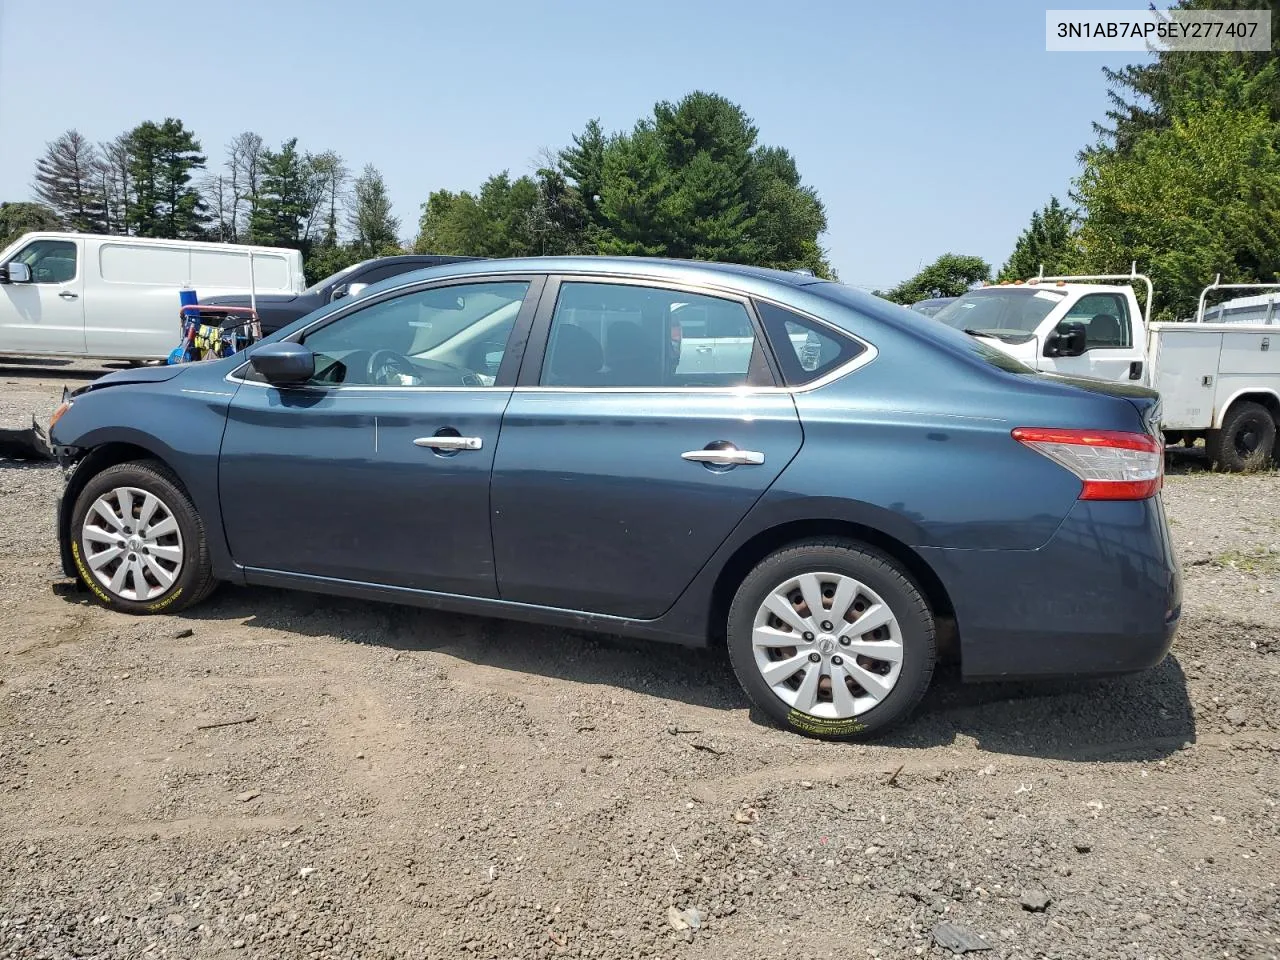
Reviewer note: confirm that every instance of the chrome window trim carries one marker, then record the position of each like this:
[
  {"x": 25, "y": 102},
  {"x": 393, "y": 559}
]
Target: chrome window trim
[{"x": 867, "y": 355}]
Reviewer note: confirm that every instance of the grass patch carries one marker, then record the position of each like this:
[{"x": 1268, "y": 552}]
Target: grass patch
[{"x": 1258, "y": 562}]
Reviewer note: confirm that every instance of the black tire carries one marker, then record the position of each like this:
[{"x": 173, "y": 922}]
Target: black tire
[
  {"x": 1247, "y": 440},
  {"x": 194, "y": 581},
  {"x": 877, "y": 572}
]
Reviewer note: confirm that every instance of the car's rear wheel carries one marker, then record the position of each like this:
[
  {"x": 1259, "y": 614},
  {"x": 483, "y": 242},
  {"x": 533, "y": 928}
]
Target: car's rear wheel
[
  {"x": 832, "y": 639},
  {"x": 138, "y": 543}
]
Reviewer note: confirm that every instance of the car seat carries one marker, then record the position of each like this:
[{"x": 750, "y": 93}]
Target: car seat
[
  {"x": 575, "y": 358},
  {"x": 1105, "y": 331}
]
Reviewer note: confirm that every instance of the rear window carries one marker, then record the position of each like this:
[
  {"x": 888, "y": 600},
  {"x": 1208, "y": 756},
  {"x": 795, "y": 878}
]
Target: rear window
[{"x": 806, "y": 350}]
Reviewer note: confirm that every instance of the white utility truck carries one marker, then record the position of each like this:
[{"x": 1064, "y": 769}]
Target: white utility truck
[
  {"x": 117, "y": 298},
  {"x": 1217, "y": 381}
]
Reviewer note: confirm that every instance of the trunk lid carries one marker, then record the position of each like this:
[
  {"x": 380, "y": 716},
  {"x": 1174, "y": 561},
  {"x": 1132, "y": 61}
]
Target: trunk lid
[{"x": 1144, "y": 399}]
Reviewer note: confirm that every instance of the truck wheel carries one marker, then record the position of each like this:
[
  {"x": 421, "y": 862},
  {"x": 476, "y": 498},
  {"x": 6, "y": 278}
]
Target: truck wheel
[
  {"x": 831, "y": 639},
  {"x": 137, "y": 541},
  {"x": 1247, "y": 439}
]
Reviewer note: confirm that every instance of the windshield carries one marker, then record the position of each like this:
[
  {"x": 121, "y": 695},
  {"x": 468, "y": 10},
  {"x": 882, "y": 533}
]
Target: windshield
[
  {"x": 1011, "y": 314},
  {"x": 334, "y": 277}
]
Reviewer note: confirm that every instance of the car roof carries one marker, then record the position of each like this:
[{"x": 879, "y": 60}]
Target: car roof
[
  {"x": 428, "y": 258},
  {"x": 693, "y": 271}
]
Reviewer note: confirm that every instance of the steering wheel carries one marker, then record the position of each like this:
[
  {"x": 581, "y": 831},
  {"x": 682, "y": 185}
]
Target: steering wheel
[{"x": 390, "y": 369}]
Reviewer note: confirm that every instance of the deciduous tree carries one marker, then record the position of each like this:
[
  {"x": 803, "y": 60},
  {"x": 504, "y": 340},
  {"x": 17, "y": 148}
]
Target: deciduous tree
[
  {"x": 373, "y": 227},
  {"x": 19, "y": 218},
  {"x": 948, "y": 276}
]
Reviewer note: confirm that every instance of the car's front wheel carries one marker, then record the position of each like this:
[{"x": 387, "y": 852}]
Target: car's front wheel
[
  {"x": 832, "y": 639},
  {"x": 138, "y": 542}
]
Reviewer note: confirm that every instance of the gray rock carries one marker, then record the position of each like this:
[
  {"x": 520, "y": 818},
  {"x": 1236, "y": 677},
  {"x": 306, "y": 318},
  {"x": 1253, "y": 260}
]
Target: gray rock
[
  {"x": 958, "y": 939},
  {"x": 1036, "y": 901}
]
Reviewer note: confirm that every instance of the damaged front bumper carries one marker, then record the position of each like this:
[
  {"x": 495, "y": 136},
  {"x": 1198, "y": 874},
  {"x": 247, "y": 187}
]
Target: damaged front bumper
[{"x": 26, "y": 443}]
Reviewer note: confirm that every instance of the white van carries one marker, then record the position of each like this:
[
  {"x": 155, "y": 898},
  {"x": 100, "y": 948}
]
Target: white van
[{"x": 117, "y": 298}]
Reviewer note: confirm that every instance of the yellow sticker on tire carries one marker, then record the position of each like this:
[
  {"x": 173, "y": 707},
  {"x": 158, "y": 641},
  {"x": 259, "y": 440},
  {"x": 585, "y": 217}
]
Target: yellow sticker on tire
[
  {"x": 88, "y": 580},
  {"x": 823, "y": 727}
]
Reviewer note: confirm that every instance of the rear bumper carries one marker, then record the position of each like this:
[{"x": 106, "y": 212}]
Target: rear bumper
[{"x": 1103, "y": 596}]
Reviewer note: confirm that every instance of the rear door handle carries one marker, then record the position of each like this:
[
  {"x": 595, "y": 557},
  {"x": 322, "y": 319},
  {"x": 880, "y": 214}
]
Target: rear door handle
[
  {"x": 450, "y": 443},
  {"x": 727, "y": 457},
  {"x": 68, "y": 295}
]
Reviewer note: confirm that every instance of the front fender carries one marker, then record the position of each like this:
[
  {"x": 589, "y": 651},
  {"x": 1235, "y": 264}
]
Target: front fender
[{"x": 176, "y": 421}]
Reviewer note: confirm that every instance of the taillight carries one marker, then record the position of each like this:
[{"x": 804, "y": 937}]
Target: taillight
[{"x": 1112, "y": 464}]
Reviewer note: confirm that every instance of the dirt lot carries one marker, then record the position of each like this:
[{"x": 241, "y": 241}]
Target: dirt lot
[{"x": 413, "y": 784}]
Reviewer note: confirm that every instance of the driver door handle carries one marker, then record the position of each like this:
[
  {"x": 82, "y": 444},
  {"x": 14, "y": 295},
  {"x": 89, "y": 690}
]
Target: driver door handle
[
  {"x": 727, "y": 457},
  {"x": 68, "y": 295},
  {"x": 450, "y": 443}
]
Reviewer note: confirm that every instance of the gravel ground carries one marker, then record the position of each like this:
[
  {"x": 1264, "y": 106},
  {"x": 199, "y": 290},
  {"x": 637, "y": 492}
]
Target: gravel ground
[{"x": 411, "y": 784}]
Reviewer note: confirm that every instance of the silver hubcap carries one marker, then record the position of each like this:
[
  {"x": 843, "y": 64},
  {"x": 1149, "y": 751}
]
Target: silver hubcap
[
  {"x": 827, "y": 645},
  {"x": 132, "y": 544}
]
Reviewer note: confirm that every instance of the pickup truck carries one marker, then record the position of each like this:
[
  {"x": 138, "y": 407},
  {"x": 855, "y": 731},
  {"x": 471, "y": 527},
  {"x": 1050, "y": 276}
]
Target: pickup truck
[
  {"x": 279, "y": 310},
  {"x": 1219, "y": 382}
]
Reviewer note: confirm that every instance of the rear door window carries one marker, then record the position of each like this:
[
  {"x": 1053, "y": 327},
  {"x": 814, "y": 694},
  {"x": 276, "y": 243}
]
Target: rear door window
[{"x": 631, "y": 335}]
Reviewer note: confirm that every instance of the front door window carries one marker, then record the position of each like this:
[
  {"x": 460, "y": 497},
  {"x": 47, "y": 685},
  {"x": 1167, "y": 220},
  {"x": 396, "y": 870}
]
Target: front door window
[{"x": 51, "y": 261}]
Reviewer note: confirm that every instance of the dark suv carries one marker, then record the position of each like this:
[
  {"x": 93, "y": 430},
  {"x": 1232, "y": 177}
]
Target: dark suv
[{"x": 278, "y": 310}]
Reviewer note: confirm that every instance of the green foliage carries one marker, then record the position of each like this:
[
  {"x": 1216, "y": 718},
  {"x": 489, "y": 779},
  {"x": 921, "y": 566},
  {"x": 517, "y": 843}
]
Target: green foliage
[
  {"x": 289, "y": 195},
  {"x": 789, "y": 217},
  {"x": 689, "y": 181},
  {"x": 69, "y": 181},
  {"x": 948, "y": 276},
  {"x": 1187, "y": 201},
  {"x": 375, "y": 229},
  {"x": 1047, "y": 242},
  {"x": 500, "y": 221},
  {"x": 19, "y": 218},
  {"x": 582, "y": 165},
  {"x": 163, "y": 203},
  {"x": 326, "y": 259},
  {"x": 1150, "y": 96}
]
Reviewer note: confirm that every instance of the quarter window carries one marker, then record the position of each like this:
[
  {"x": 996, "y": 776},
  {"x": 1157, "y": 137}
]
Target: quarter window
[
  {"x": 806, "y": 350},
  {"x": 451, "y": 336},
  {"x": 623, "y": 335},
  {"x": 1106, "y": 320},
  {"x": 51, "y": 261}
]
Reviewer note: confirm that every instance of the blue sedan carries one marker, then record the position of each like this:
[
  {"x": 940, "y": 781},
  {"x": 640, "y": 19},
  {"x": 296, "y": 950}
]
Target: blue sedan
[{"x": 689, "y": 452}]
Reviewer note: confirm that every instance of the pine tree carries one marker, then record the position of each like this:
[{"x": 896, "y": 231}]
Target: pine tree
[
  {"x": 161, "y": 162},
  {"x": 1046, "y": 242},
  {"x": 287, "y": 200},
  {"x": 69, "y": 180}
]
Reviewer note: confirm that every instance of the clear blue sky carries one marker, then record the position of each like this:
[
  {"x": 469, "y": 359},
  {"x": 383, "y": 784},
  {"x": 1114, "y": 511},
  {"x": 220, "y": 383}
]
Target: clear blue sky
[{"x": 926, "y": 127}]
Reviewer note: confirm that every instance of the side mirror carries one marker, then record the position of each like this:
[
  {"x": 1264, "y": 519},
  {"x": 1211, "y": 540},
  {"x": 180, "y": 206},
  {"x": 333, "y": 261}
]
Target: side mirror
[
  {"x": 15, "y": 273},
  {"x": 346, "y": 290},
  {"x": 283, "y": 363},
  {"x": 1069, "y": 340}
]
